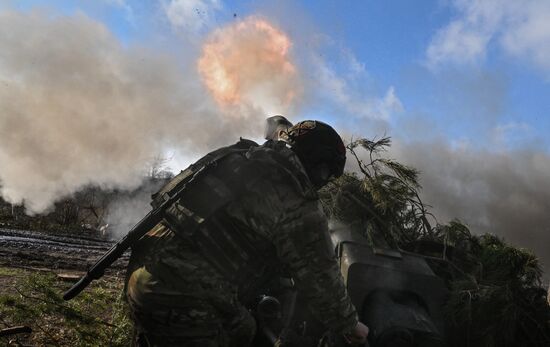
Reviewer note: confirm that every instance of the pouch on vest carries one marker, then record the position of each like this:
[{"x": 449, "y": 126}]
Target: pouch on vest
[{"x": 199, "y": 217}]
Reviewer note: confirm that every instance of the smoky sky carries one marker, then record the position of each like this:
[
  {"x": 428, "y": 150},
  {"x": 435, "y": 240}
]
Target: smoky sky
[
  {"x": 504, "y": 193},
  {"x": 79, "y": 107}
]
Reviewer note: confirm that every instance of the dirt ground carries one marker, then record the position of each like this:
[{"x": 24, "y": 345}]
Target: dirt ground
[{"x": 36, "y": 268}]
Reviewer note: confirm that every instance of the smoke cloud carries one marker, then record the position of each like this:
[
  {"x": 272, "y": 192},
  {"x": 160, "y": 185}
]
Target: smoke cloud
[
  {"x": 129, "y": 208},
  {"x": 504, "y": 193},
  {"x": 77, "y": 107}
]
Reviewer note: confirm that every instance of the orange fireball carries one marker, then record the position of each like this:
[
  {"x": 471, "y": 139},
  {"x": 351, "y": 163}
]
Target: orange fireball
[{"x": 249, "y": 63}]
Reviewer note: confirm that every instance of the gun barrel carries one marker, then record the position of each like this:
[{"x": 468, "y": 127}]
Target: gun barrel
[
  {"x": 98, "y": 269},
  {"x": 79, "y": 286},
  {"x": 166, "y": 198}
]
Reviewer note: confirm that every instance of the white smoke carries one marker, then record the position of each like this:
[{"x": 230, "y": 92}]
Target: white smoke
[
  {"x": 78, "y": 107},
  {"x": 128, "y": 208}
]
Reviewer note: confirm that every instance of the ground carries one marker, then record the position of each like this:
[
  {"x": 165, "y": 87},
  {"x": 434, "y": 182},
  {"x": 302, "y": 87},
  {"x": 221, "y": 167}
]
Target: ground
[{"x": 36, "y": 268}]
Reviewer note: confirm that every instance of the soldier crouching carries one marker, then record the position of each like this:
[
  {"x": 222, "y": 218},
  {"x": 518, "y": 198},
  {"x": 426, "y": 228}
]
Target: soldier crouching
[{"x": 246, "y": 212}]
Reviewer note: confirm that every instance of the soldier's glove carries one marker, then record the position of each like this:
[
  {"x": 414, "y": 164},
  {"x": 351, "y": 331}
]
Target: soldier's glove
[{"x": 358, "y": 335}]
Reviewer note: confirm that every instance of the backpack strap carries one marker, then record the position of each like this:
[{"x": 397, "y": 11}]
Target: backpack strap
[{"x": 194, "y": 169}]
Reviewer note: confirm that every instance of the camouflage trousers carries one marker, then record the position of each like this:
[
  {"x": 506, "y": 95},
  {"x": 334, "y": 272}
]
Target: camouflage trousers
[
  {"x": 164, "y": 316},
  {"x": 176, "y": 297}
]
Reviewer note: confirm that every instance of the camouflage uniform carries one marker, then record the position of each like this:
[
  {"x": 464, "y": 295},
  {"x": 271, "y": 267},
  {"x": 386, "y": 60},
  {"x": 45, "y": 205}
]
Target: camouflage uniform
[{"x": 180, "y": 294}]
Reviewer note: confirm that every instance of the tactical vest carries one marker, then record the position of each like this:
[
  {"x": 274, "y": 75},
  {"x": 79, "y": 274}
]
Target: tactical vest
[
  {"x": 194, "y": 170},
  {"x": 199, "y": 216}
]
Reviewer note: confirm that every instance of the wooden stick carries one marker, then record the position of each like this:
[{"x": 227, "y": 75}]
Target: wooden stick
[{"x": 15, "y": 330}]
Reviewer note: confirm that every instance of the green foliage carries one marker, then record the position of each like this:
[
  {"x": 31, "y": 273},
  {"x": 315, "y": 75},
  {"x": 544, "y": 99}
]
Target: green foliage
[
  {"x": 6, "y": 271},
  {"x": 95, "y": 318},
  {"x": 502, "y": 302},
  {"x": 386, "y": 196},
  {"x": 495, "y": 292}
]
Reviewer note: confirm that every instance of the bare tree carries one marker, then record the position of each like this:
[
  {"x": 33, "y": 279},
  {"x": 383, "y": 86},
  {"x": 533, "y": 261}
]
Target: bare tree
[{"x": 158, "y": 168}]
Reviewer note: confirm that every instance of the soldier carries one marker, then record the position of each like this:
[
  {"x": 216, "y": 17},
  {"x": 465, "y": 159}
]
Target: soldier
[{"x": 247, "y": 211}]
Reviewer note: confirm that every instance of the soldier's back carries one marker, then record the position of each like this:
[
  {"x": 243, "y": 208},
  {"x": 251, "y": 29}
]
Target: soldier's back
[{"x": 188, "y": 280}]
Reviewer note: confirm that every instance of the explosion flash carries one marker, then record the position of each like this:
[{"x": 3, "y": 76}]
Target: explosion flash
[{"x": 248, "y": 63}]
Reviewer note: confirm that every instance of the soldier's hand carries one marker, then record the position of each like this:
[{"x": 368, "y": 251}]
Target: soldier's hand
[{"x": 358, "y": 335}]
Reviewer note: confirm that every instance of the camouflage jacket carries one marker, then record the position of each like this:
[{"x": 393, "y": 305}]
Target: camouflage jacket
[{"x": 277, "y": 213}]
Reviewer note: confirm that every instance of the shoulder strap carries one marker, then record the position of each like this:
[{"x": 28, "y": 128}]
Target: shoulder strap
[{"x": 186, "y": 175}]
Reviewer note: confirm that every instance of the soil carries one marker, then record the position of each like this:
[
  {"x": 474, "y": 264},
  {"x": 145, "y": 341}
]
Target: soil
[{"x": 61, "y": 253}]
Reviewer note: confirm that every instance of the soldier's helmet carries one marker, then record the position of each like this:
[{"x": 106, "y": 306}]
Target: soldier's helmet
[{"x": 320, "y": 149}]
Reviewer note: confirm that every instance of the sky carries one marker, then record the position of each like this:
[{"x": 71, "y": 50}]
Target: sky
[{"x": 461, "y": 86}]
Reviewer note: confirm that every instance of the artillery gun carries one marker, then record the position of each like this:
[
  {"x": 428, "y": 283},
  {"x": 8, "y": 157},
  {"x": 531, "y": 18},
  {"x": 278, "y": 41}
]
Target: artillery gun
[{"x": 396, "y": 294}]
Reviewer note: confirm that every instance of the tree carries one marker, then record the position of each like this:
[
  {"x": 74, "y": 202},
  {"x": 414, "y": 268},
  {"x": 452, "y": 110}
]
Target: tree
[
  {"x": 496, "y": 295},
  {"x": 158, "y": 168}
]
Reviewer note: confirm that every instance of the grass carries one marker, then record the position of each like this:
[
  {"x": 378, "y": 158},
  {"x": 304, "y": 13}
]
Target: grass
[
  {"x": 98, "y": 317},
  {"x": 10, "y": 272}
]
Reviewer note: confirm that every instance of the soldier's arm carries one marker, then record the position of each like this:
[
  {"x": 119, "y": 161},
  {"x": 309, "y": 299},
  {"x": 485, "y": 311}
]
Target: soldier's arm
[
  {"x": 279, "y": 208},
  {"x": 302, "y": 242}
]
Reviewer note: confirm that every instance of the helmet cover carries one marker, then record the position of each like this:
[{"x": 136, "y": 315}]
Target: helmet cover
[{"x": 320, "y": 149}]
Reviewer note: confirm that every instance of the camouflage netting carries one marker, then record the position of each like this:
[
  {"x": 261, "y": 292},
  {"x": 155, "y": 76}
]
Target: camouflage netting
[{"x": 496, "y": 295}]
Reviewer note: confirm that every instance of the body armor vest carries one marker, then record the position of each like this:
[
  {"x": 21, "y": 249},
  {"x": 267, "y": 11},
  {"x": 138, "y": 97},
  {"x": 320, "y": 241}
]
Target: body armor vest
[{"x": 199, "y": 215}]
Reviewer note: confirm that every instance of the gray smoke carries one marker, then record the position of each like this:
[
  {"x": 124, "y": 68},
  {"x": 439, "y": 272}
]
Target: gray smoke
[
  {"x": 78, "y": 107},
  {"x": 507, "y": 194},
  {"x": 128, "y": 208}
]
